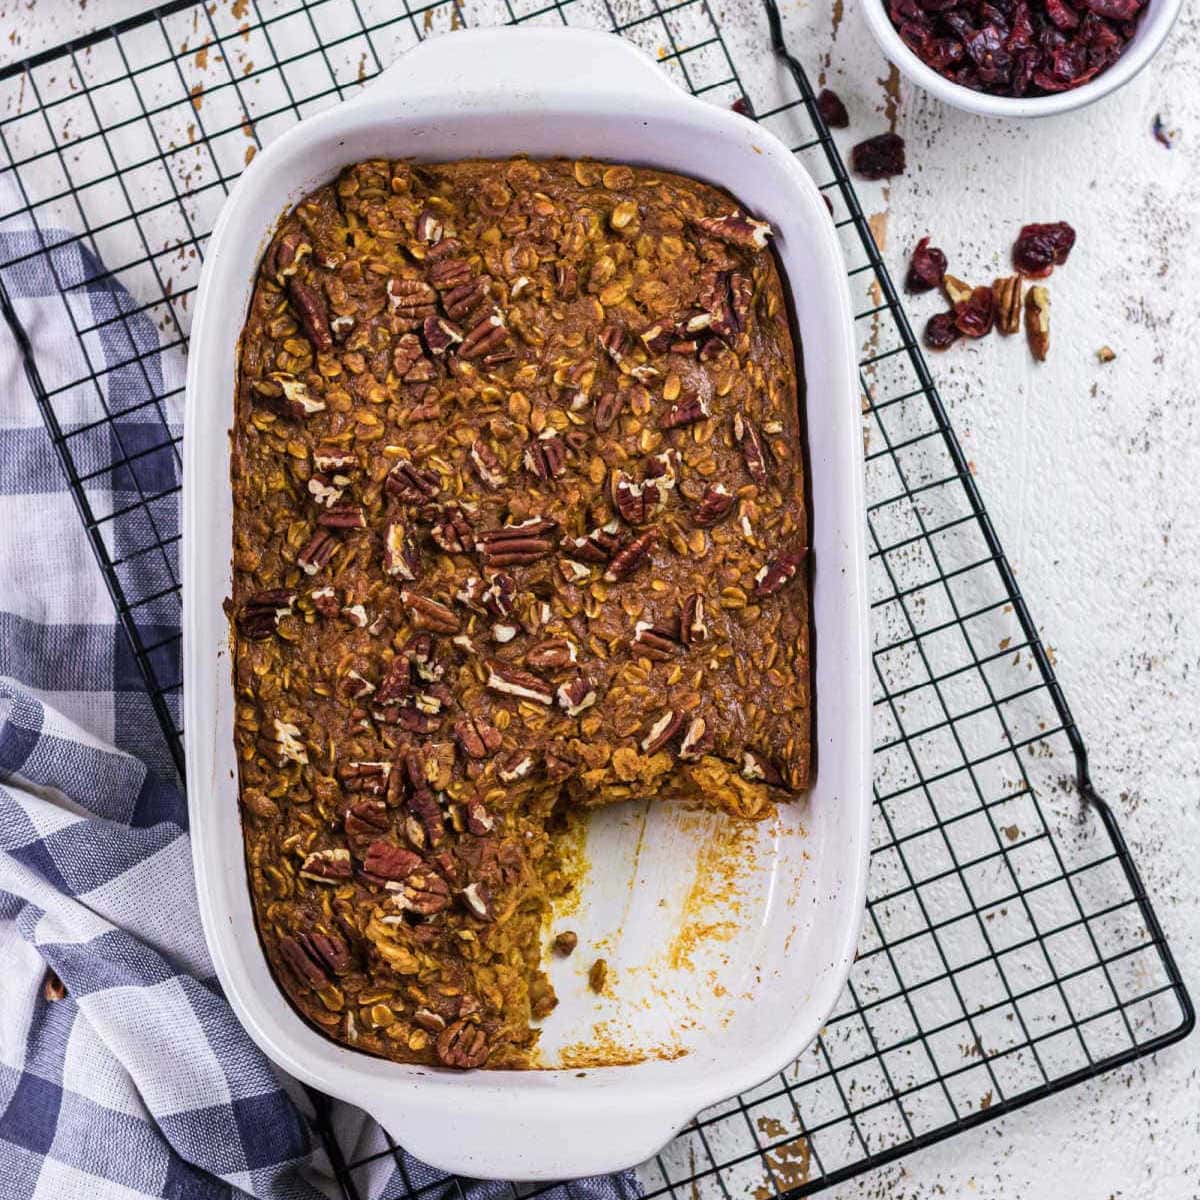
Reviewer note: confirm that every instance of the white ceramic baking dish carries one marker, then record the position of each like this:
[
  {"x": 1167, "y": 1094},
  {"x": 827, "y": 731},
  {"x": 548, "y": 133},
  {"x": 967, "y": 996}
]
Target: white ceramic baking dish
[{"x": 727, "y": 946}]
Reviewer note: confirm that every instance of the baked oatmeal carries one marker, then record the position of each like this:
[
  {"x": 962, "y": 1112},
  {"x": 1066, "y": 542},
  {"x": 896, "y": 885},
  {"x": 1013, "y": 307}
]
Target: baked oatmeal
[{"x": 519, "y": 526}]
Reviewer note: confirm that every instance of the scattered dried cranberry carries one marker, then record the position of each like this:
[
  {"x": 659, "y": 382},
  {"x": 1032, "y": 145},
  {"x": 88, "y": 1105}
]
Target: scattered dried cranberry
[
  {"x": 941, "y": 332},
  {"x": 926, "y": 269},
  {"x": 879, "y": 157},
  {"x": 1041, "y": 248},
  {"x": 832, "y": 110},
  {"x": 976, "y": 315},
  {"x": 743, "y": 106},
  {"x": 1017, "y": 47}
]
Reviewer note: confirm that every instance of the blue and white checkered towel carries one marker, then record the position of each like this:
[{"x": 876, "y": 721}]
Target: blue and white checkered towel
[{"x": 123, "y": 1072}]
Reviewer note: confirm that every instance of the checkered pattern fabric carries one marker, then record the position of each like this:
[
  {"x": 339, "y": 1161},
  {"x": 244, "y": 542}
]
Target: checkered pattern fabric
[{"x": 138, "y": 1081}]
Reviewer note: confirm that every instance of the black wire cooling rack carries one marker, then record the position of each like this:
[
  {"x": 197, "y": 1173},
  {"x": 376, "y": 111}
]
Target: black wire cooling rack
[{"x": 1010, "y": 950}]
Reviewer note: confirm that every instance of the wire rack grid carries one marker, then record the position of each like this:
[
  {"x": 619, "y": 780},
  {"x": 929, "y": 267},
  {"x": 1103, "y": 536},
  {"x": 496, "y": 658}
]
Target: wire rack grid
[{"x": 1009, "y": 950}]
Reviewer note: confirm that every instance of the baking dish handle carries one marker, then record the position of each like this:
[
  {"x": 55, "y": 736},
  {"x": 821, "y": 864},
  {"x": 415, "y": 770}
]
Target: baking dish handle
[{"x": 525, "y": 64}]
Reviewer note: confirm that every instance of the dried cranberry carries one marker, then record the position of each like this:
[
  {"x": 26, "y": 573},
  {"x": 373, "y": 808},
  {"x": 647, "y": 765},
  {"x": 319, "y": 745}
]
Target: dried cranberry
[
  {"x": 1041, "y": 248},
  {"x": 1115, "y": 10},
  {"x": 976, "y": 315},
  {"x": 940, "y": 331},
  {"x": 926, "y": 268},
  {"x": 1063, "y": 16},
  {"x": 743, "y": 106},
  {"x": 832, "y": 110},
  {"x": 879, "y": 157}
]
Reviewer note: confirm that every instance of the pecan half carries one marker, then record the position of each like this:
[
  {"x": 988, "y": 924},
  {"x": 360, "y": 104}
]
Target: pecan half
[
  {"x": 461, "y": 301},
  {"x": 327, "y": 866},
  {"x": 462, "y": 1045},
  {"x": 628, "y": 498},
  {"x": 487, "y": 465},
  {"x": 552, "y": 654},
  {"x": 665, "y": 727},
  {"x": 262, "y": 612},
  {"x": 1037, "y": 321},
  {"x": 631, "y": 556},
  {"x": 775, "y": 574},
  {"x": 386, "y": 860},
  {"x": 424, "y": 892},
  {"x": 713, "y": 506},
  {"x": 515, "y": 545},
  {"x": 1008, "y": 292},
  {"x": 329, "y": 949},
  {"x": 736, "y": 228},
  {"x": 343, "y": 516},
  {"x": 608, "y": 408},
  {"x": 689, "y": 409},
  {"x": 747, "y": 437},
  {"x": 427, "y": 613},
  {"x": 401, "y": 557},
  {"x": 312, "y": 313},
  {"x": 448, "y": 271},
  {"x": 575, "y": 695},
  {"x": 693, "y": 626},
  {"x": 307, "y": 968},
  {"x": 658, "y": 641},
  {"x": 957, "y": 291},
  {"x": 484, "y": 337},
  {"x": 411, "y": 301},
  {"x": 407, "y": 482},
  {"x": 366, "y": 820},
  {"x": 513, "y": 681},
  {"x": 546, "y": 456}
]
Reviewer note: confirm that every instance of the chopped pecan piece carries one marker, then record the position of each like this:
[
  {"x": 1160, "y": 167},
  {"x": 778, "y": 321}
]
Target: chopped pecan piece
[
  {"x": 714, "y": 505},
  {"x": 366, "y": 819},
  {"x": 354, "y": 686},
  {"x": 356, "y": 615},
  {"x": 370, "y": 778},
  {"x": 427, "y": 613},
  {"x": 314, "y": 317},
  {"x": 429, "y": 227},
  {"x": 325, "y": 601},
  {"x": 565, "y": 942},
  {"x": 425, "y": 825},
  {"x": 451, "y": 530},
  {"x": 667, "y": 725},
  {"x": 758, "y": 768},
  {"x": 1007, "y": 291},
  {"x": 1037, "y": 321},
  {"x": 515, "y": 545},
  {"x": 775, "y": 574},
  {"x": 424, "y": 892},
  {"x": 327, "y": 866},
  {"x": 575, "y": 695},
  {"x": 477, "y": 738},
  {"x": 287, "y": 250},
  {"x": 261, "y": 614},
  {"x": 286, "y": 396},
  {"x": 479, "y": 820},
  {"x": 334, "y": 460},
  {"x": 409, "y": 361},
  {"x": 400, "y": 554},
  {"x": 428, "y": 1020},
  {"x": 289, "y": 746},
  {"x": 658, "y": 641},
  {"x": 595, "y": 547},
  {"x": 487, "y": 465},
  {"x": 631, "y": 556},
  {"x": 693, "y": 626},
  {"x": 546, "y": 456},
  {"x": 462, "y": 1045},
  {"x": 697, "y": 739},
  {"x": 689, "y": 409},
  {"x": 752, "y": 450},
  {"x": 440, "y": 335},
  {"x": 407, "y": 482},
  {"x": 327, "y": 489},
  {"x": 629, "y": 498},
  {"x": 736, "y": 228},
  {"x": 478, "y": 902},
  {"x": 516, "y": 766},
  {"x": 614, "y": 341},
  {"x": 513, "y": 681},
  {"x": 566, "y": 280}
]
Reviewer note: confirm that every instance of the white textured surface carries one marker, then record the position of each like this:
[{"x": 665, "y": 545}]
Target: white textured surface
[{"x": 1090, "y": 474}]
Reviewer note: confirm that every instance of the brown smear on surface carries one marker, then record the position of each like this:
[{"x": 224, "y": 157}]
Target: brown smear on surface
[
  {"x": 239, "y": 9},
  {"x": 608, "y": 1047},
  {"x": 791, "y": 1163},
  {"x": 878, "y": 223},
  {"x": 202, "y": 57},
  {"x": 197, "y": 96},
  {"x": 771, "y": 1127}
]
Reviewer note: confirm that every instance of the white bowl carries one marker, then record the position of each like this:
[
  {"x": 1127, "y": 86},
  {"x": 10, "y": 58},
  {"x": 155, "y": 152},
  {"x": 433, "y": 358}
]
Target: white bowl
[
  {"x": 1155, "y": 23},
  {"x": 740, "y": 1008}
]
